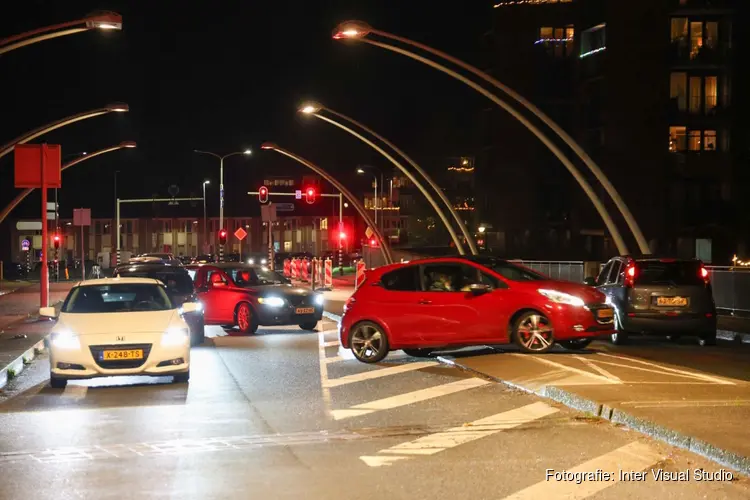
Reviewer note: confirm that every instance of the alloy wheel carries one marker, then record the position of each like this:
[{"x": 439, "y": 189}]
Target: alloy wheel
[
  {"x": 534, "y": 333},
  {"x": 368, "y": 343}
]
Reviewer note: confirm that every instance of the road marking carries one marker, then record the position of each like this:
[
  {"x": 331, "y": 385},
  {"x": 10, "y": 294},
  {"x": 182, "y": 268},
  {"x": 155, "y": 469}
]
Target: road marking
[
  {"x": 383, "y": 372},
  {"x": 571, "y": 369},
  {"x": 333, "y": 359},
  {"x": 631, "y": 457},
  {"x": 409, "y": 398},
  {"x": 680, "y": 403},
  {"x": 75, "y": 391},
  {"x": 324, "y": 390},
  {"x": 700, "y": 376},
  {"x": 441, "y": 441},
  {"x": 333, "y": 343},
  {"x": 593, "y": 366}
]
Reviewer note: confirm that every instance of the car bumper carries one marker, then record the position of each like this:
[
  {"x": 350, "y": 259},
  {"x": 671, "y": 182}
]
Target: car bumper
[
  {"x": 571, "y": 322},
  {"x": 660, "y": 324},
  {"x": 86, "y": 363},
  {"x": 272, "y": 316}
]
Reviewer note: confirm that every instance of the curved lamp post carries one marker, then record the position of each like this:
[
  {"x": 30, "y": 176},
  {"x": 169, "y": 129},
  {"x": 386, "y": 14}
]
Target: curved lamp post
[
  {"x": 221, "y": 177},
  {"x": 23, "y": 194},
  {"x": 314, "y": 109},
  {"x": 30, "y": 136},
  {"x": 102, "y": 21},
  {"x": 357, "y": 30},
  {"x": 385, "y": 249}
]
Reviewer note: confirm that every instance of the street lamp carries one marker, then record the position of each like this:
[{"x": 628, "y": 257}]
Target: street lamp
[
  {"x": 30, "y": 136},
  {"x": 205, "y": 218},
  {"x": 102, "y": 21},
  {"x": 23, "y": 194},
  {"x": 358, "y": 30},
  {"x": 314, "y": 109},
  {"x": 361, "y": 171},
  {"x": 246, "y": 152},
  {"x": 384, "y": 247},
  {"x": 482, "y": 229}
]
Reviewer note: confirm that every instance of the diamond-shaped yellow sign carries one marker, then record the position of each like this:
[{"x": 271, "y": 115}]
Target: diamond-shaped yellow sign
[{"x": 369, "y": 232}]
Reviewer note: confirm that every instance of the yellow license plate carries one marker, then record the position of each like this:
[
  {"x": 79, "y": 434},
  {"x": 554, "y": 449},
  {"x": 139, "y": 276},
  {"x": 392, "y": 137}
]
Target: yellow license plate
[
  {"x": 671, "y": 301},
  {"x": 122, "y": 354},
  {"x": 305, "y": 310},
  {"x": 605, "y": 313}
]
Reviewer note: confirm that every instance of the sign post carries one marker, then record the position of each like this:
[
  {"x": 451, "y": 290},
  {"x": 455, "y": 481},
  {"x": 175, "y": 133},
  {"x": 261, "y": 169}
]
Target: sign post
[
  {"x": 268, "y": 214},
  {"x": 82, "y": 217},
  {"x": 38, "y": 166},
  {"x": 240, "y": 235}
]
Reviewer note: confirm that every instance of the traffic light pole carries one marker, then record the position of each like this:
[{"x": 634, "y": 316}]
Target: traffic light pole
[{"x": 140, "y": 200}]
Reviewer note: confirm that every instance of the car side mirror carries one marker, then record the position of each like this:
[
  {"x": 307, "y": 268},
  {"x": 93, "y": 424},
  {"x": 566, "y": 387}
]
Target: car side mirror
[
  {"x": 190, "y": 307},
  {"x": 589, "y": 281},
  {"x": 479, "y": 288},
  {"x": 47, "y": 312}
]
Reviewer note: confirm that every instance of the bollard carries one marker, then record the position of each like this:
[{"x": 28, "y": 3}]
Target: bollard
[
  {"x": 67, "y": 276},
  {"x": 360, "y": 273},
  {"x": 314, "y": 276},
  {"x": 287, "y": 268},
  {"x": 305, "y": 270},
  {"x": 295, "y": 268},
  {"x": 329, "y": 274}
]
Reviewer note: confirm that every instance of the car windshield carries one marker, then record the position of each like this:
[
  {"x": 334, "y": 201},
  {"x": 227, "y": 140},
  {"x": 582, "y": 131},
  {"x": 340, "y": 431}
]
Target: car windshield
[
  {"x": 130, "y": 297},
  {"x": 515, "y": 273},
  {"x": 654, "y": 272},
  {"x": 179, "y": 283},
  {"x": 255, "y": 276}
]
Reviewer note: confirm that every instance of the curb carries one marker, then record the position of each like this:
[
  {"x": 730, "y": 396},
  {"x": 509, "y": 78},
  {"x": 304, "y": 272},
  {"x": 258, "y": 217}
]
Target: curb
[
  {"x": 731, "y": 336},
  {"x": 332, "y": 317},
  {"x": 616, "y": 416},
  {"x": 18, "y": 364}
]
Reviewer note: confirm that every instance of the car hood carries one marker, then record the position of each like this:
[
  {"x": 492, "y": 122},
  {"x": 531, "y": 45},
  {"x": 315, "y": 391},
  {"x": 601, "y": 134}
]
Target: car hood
[
  {"x": 588, "y": 294},
  {"x": 283, "y": 290},
  {"x": 129, "y": 322}
]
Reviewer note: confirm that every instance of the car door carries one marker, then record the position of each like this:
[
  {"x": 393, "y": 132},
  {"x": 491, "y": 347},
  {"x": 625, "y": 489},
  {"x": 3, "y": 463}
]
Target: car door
[
  {"x": 394, "y": 300},
  {"x": 214, "y": 292},
  {"x": 493, "y": 309},
  {"x": 449, "y": 312}
]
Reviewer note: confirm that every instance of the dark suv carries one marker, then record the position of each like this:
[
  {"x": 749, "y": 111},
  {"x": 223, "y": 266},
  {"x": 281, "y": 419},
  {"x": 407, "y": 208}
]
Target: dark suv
[
  {"x": 179, "y": 286},
  {"x": 670, "y": 297}
]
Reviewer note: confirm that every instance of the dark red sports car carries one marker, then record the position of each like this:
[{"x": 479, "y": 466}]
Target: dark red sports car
[{"x": 429, "y": 304}]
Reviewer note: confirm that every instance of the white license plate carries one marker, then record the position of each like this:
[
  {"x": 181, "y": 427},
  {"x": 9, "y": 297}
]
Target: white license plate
[{"x": 304, "y": 310}]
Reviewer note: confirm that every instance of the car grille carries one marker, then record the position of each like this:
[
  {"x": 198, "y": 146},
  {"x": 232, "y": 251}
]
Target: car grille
[
  {"x": 97, "y": 350},
  {"x": 594, "y": 308},
  {"x": 299, "y": 300}
]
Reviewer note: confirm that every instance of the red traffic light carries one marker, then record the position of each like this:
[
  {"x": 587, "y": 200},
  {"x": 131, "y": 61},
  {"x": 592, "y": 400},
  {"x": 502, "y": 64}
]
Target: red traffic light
[
  {"x": 373, "y": 242},
  {"x": 56, "y": 240},
  {"x": 342, "y": 235},
  {"x": 310, "y": 195},
  {"x": 222, "y": 236},
  {"x": 263, "y": 194}
]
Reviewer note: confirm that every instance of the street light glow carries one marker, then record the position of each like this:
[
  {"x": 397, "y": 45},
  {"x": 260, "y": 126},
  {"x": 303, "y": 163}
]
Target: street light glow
[
  {"x": 206, "y": 182},
  {"x": 310, "y": 108},
  {"x": 105, "y": 21},
  {"x": 360, "y": 171},
  {"x": 351, "y": 29},
  {"x": 247, "y": 152},
  {"x": 482, "y": 229},
  {"x": 268, "y": 145},
  {"x": 126, "y": 144},
  {"x": 119, "y": 107}
]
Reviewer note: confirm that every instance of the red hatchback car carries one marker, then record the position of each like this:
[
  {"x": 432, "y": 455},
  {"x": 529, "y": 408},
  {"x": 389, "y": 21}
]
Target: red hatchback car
[{"x": 430, "y": 304}]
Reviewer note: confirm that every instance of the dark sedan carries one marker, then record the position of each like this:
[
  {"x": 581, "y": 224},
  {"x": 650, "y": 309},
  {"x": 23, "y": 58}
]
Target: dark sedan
[
  {"x": 249, "y": 296},
  {"x": 179, "y": 286}
]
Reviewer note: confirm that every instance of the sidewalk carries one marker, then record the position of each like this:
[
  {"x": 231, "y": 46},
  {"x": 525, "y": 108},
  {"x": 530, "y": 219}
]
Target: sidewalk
[{"x": 21, "y": 332}]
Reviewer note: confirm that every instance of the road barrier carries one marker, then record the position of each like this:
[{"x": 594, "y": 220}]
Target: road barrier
[
  {"x": 557, "y": 269},
  {"x": 731, "y": 288},
  {"x": 295, "y": 268},
  {"x": 360, "y": 276},
  {"x": 287, "y": 268},
  {"x": 328, "y": 281},
  {"x": 305, "y": 270}
]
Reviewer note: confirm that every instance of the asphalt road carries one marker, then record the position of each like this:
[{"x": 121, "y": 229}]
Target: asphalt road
[{"x": 284, "y": 414}]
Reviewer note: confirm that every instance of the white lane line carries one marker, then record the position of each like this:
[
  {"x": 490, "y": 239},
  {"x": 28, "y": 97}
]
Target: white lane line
[
  {"x": 679, "y": 403},
  {"x": 631, "y": 458},
  {"x": 571, "y": 369},
  {"x": 409, "y": 398},
  {"x": 435, "y": 443},
  {"x": 75, "y": 391},
  {"x": 594, "y": 366},
  {"x": 673, "y": 370},
  {"x": 333, "y": 343},
  {"x": 383, "y": 372},
  {"x": 324, "y": 390}
]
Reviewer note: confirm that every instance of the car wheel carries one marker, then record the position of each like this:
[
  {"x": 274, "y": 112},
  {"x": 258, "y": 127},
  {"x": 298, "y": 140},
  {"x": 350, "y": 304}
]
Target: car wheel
[
  {"x": 181, "y": 378},
  {"x": 533, "y": 332},
  {"x": 245, "y": 319},
  {"x": 418, "y": 353},
  {"x": 368, "y": 342},
  {"x": 707, "y": 339},
  {"x": 309, "y": 326},
  {"x": 199, "y": 336},
  {"x": 575, "y": 345},
  {"x": 57, "y": 382}
]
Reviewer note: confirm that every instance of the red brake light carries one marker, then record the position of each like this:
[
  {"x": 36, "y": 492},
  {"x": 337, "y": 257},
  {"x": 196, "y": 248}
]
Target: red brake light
[
  {"x": 631, "y": 272},
  {"x": 630, "y": 275},
  {"x": 704, "y": 273}
]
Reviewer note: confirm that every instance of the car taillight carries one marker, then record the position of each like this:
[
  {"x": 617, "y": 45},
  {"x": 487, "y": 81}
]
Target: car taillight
[
  {"x": 630, "y": 273},
  {"x": 704, "y": 274}
]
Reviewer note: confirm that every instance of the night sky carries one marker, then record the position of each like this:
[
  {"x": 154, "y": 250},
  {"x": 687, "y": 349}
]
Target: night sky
[{"x": 224, "y": 76}]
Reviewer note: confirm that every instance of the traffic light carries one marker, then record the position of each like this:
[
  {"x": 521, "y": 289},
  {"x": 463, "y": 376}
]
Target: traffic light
[
  {"x": 222, "y": 236},
  {"x": 263, "y": 194},
  {"x": 56, "y": 241},
  {"x": 342, "y": 235},
  {"x": 310, "y": 195},
  {"x": 373, "y": 242}
]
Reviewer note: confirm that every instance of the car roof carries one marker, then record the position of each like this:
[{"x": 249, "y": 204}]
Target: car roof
[
  {"x": 150, "y": 266},
  {"x": 119, "y": 281},
  {"x": 656, "y": 258}
]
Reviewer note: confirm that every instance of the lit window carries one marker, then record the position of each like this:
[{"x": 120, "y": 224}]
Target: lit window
[
  {"x": 695, "y": 94},
  {"x": 712, "y": 35},
  {"x": 694, "y": 140},
  {"x": 709, "y": 140},
  {"x": 677, "y": 139},
  {"x": 679, "y": 29},
  {"x": 710, "y": 92},
  {"x": 678, "y": 89},
  {"x": 696, "y": 38}
]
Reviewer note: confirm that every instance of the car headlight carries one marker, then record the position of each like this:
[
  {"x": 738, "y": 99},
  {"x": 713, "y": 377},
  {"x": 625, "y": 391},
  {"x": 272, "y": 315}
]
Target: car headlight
[
  {"x": 251, "y": 261},
  {"x": 319, "y": 300},
  {"x": 65, "y": 340},
  {"x": 271, "y": 301},
  {"x": 562, "y": 298},
  {"x": 175, "y": 336},
  {"x": 263, "y": 262}
]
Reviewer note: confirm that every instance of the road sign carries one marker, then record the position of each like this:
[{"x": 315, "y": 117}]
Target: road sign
[
  {"x": 240, "y": 234},
  {"x": 29, "y": 226},
  {"x": 369, "y": 232},
  {"x": 52, "y": 206},
  {"x": 25, "y": 245},
  {"x": 285, "y": 207},
  {"x": 51, "y": 215},
  {"x": 298, "y": 194},
  {"x": 81, "y": 216},
  {"x": 268, "y": 212},
  {"x": 28, "y": 162}
]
